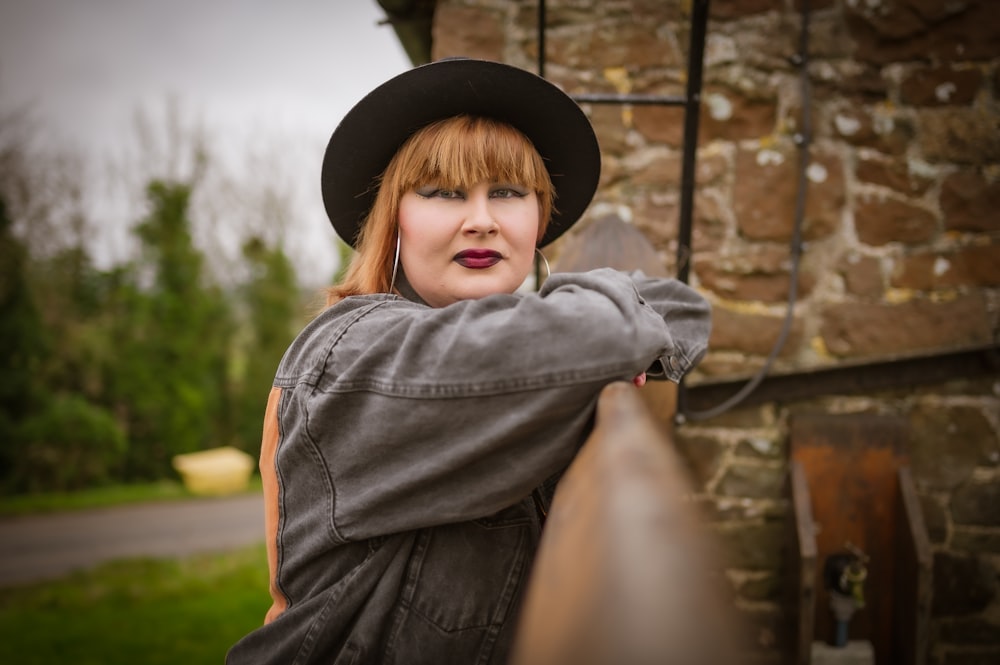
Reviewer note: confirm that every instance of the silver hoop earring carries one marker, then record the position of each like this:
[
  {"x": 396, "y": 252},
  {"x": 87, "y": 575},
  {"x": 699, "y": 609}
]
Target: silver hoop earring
[
  {"x": 395, "y": 265},
  {"x": 545, "y": 262}
]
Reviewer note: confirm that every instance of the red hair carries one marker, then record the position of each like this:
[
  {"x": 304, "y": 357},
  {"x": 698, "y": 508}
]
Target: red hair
[{"x": 454, "y": 153}]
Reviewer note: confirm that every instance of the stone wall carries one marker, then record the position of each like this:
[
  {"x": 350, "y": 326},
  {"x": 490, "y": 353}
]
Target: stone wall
[{"x": 901, "y": 253}]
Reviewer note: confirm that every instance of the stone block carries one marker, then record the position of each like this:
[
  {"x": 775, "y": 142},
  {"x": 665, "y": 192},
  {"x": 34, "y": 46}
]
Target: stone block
[
  {"x": 947, "y": 444},
  {"x": 735, "y": 9},
  {"x": 959, "y": 135},
  {"x": 473, "y": 32},
  {"x": 881, "y": 220},
  {"x": 751, "y": 333},
  {"x": 702, "y": 456},
  {"x": 873, "y": 329},
  {"x": 766, "y": 186},
  {"x": 767, "y": 587},
  {"x": 728, "y": 115},
  {"x": 940, "y": 86},
  {"x": 614, "y": 43},
  {"x": 921, "y": 30},
  {"x": 976, "y": 539},
  {"x": 658, "y": 167},
  {"x": 975, "y": 266},
  {"x": 755, "y": 482},
  {"x": 971, "y": 657},
  {"x": 879, "y": 128},
  {"x": 759, "y": 447},
  {"x": 963, "y": 585},
  {"x": 892, "y": 173},
  {"x": 969, "y": 202},
  {"x": 751, "y": 546},
  {"x": 828, "y": 40},
  {"x": 746, "y": 417},
  {"x": 977, "y": 503},
  {"x": 743, "y": 510},
  {"x": 764, "y": 192},
  {"x": 610, "y": 128},
  {"x": 761, "y": 283},
  {"x": 660, "y": 124},
  {"x": 862, "y": 276},
  {"x": 971, "y": 631}
]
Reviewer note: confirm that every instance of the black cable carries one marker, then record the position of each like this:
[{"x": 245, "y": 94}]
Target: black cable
[{"x": 802, "y": 140}]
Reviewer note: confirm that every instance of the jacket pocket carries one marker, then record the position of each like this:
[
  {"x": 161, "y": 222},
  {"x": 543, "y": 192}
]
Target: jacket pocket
[
  {"x": 467, "y": 575},
  {"x": 462, "y": 582}
]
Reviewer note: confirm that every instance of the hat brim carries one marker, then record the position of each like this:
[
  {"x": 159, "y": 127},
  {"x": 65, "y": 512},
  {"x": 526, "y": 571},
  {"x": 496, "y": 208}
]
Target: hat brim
[{"x": 374, "y": 129}]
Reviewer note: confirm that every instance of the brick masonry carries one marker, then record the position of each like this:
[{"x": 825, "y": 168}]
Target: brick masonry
[{"x": 901, "y": 255}]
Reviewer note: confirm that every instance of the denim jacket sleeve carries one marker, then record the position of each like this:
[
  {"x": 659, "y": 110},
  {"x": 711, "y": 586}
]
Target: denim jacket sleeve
[{"x": 419, "y": 416}]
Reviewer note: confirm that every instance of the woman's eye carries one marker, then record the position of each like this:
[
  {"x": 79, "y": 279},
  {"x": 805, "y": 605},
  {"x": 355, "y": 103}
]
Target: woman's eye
[
  {"x": 508, "y": 193},
  {"x": 439, "y": 193}
]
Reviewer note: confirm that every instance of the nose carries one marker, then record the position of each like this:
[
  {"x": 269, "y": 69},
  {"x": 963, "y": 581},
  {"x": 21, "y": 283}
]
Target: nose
[{"x": 479, "y": 219}]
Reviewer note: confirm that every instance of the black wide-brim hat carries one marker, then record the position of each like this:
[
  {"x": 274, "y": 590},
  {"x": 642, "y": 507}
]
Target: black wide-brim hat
[{"x": 366, "y": 139}]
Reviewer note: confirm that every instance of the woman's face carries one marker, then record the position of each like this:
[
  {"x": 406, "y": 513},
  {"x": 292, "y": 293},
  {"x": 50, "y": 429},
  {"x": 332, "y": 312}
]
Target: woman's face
[{"x": 467, "y": 243}]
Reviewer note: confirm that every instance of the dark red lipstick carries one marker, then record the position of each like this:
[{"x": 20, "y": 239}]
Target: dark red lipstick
[{"x": 478, "y": 259}]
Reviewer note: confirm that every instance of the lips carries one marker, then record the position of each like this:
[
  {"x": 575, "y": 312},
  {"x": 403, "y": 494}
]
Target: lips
[{"x": 478, "y": 259}]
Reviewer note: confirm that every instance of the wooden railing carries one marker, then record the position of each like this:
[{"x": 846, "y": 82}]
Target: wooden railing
[{"x": 626, "y": 573}]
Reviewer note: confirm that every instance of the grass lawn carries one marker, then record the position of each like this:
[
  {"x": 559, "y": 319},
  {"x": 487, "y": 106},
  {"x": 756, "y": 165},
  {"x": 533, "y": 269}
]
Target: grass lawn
[
  {"x": 165, "y": 490},
  {"x": 147, "y": 612}
]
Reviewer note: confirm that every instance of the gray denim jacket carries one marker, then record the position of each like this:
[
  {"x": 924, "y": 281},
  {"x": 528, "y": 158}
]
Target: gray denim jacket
[{"x": 410, "y": 453}]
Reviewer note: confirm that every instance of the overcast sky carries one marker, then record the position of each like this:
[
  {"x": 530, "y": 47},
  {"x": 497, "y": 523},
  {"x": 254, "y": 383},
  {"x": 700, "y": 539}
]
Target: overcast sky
[{"x": 246, "y": 69}]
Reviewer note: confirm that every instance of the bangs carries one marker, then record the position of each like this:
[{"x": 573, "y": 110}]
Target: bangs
[{"x": 460, "y": 151}]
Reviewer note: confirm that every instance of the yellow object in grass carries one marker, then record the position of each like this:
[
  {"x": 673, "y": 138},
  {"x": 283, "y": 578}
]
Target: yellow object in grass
[{"x": 218, "y": 471}]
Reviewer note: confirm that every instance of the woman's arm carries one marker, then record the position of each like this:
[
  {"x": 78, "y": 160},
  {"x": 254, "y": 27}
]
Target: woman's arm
[{"x": 426, "y": 416}]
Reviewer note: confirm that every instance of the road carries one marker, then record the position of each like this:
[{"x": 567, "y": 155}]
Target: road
[{"x": 43, "y": 547}]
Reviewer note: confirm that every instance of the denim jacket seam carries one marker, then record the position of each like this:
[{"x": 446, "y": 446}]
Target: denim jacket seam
[
  {"x": 439, "y": 390},
  {"x": 304, "y": 653},
  {"x": 687, "y": 359},
  {"x": 314, "y": 374},
  {"x": 316, "y": 451},
  {"x": 338, "y": 335},
  {"x": 282, "y": 510},
  {"x": 408, "y": 589}
]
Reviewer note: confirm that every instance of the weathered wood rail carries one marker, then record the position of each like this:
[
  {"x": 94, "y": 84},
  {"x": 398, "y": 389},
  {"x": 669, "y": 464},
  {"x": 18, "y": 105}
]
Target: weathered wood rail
[{"x": 625, "y": 573}]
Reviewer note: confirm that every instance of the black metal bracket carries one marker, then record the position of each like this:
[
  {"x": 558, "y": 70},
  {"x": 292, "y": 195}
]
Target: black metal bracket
[{"x": 860, "y": 378}]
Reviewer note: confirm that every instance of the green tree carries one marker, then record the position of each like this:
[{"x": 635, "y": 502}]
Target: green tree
[
  {"x": 70, "y": 292},
  {"x": 170, "y": 383},
  {"x": 22, "y": 345},
  {"x": 50, "y": 439},
  {"x": 273, "y": 310}
]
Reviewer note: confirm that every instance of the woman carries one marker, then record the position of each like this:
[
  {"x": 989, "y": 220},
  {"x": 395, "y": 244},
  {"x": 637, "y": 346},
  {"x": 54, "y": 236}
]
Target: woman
[{"x": 417, "y": 427}]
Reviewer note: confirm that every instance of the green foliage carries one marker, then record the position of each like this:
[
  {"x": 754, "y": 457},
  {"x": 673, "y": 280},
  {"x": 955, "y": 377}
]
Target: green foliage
[
  {"x": 145, "y": 611},
  {"x": 170, "y": 379},
  {"x": 22, "y": 345},
  {"x": 105, "y": 375},
  {"x": 67, "y": 445},
  {"x": 272, "y": 303},
  {"x": 73, "y": 295},
  {"x": 21, "y": 332},
  {"x": 51, "y": 436}
]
